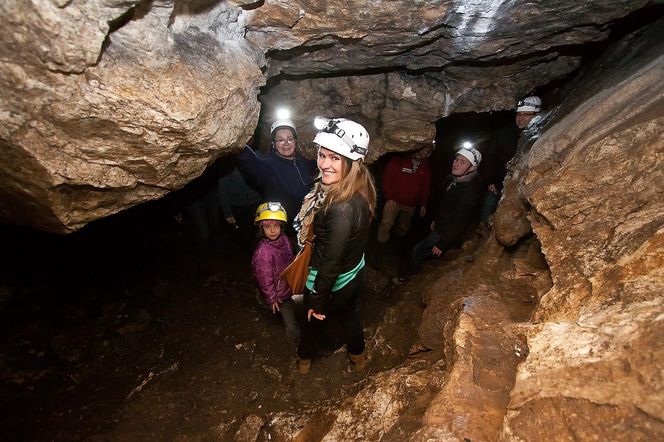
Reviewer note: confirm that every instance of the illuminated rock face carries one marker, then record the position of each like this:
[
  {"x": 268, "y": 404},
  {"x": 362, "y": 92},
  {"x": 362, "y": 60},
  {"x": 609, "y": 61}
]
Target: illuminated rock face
[
  {"x": 593, "y": 181},
  {"x": 107, "y": 104},
  {"x": 86, "y": 134}
]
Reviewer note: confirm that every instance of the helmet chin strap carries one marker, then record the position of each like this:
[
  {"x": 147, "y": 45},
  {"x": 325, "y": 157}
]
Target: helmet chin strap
[
  {"x": 466, "y": 172},
  {"x": 334, "y": 129}
]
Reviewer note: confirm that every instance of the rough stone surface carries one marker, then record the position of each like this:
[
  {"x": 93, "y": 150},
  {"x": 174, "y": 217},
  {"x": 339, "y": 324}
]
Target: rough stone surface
[
  {"x": 594, "y": 183},
  {"x": 107, "y": 104},
  {"x": 386, "y": 401},
  {"x": 400, "y": 109},
  {"x": 249, "y": 429},
  {"x": 472, "y": 402},
  {"x": 511, "y": 217},
  {"x": 309, "y": 37},
  {"x": 93, "y": 123},
  {"x": 587, "y": 220}
]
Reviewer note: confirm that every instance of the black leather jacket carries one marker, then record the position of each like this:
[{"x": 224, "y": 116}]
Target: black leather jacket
[{"x": 342, "y": 233}]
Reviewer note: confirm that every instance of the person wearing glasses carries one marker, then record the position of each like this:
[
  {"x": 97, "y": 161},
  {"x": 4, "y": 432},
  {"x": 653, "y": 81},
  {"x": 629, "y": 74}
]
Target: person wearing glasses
[
  {"x": 339, "y": 209},
  {"x": 273, "y": 254},
  {"x": 282, "y": 175}
]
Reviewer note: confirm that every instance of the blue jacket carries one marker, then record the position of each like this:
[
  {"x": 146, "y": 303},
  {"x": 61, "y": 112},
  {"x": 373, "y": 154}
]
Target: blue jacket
[{"x": 278, "y": 178}]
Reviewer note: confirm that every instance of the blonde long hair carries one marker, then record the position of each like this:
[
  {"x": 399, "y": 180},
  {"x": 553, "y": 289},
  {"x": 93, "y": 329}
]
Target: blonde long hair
[{"x": 356, "y": 178}]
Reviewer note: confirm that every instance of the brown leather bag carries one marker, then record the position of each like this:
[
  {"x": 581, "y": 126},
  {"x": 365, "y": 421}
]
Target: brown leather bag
[{"x": 297, "y": 272}]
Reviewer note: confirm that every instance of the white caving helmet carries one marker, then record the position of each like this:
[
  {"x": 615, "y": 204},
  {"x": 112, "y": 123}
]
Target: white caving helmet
[
  {"x": 529, "y": 104},
  {"x": 283, "y": 121},
  {"x": 342, "y": 136},
  {"x": 471, "y": 154},
  {"x": 282, "y": 124}
]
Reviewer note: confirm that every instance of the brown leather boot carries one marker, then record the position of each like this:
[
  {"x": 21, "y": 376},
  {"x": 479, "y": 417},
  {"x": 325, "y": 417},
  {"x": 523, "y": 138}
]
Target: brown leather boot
[
  {"x": 303, "y": 365},
  {"x": 359, "y": 361}
]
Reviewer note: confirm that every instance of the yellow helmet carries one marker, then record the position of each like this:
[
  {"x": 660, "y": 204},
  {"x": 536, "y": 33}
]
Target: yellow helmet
[{"x": 270, "y": 210}]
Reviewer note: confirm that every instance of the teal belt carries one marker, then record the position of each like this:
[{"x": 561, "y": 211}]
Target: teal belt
[{"x": 341, "y": 280}]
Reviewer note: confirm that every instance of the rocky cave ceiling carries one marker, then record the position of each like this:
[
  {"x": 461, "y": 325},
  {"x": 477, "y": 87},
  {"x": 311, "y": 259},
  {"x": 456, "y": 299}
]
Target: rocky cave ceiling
[{"x": 110, "y": 103}]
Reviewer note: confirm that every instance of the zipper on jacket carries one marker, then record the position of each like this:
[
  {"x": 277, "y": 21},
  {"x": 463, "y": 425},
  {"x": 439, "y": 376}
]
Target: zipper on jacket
[{"x": 298, "y": 171}]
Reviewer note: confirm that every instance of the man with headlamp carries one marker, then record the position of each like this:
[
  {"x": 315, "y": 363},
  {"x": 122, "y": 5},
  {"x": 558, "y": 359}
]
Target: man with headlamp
[{"x": 458, "y": 205}]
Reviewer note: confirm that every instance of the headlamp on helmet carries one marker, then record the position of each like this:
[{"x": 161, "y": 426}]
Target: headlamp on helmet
[
  {"x": 271, "y": 210},
  {"x": 283, "y": 121},
  {"x": 283, "y": 114},
  {"x": 529, "y": 104},
  {"x": 470, "y": 153},
  {"x": 342, "y": 136}
]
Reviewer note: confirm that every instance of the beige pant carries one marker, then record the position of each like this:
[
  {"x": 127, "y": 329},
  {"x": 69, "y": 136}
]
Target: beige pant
[{"x": 401, "y": 214}]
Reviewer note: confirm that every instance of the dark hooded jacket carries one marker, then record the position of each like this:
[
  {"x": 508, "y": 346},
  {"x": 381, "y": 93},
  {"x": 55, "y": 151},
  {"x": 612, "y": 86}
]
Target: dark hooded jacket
[
  {"x": 456, "y": 210},
  {"x": 278, "y": 178}
]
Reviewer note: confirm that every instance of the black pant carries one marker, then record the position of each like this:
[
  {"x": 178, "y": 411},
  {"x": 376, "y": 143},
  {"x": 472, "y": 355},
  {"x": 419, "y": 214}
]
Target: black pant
[{"x": 343, "y": 310}]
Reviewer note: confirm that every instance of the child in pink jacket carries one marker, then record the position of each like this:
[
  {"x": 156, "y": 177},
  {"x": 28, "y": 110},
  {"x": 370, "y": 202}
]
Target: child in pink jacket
[{"x": 272, "y": 255}]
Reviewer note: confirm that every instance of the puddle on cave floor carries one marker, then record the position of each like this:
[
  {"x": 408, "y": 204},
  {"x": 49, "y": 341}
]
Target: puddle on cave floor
[{"x": 170, "y": 346}]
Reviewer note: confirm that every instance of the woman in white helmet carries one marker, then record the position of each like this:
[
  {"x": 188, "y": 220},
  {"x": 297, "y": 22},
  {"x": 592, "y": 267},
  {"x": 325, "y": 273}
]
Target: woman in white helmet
[
  {"x": 339, "y": 210},
  {"x": 283, "y": 174}
]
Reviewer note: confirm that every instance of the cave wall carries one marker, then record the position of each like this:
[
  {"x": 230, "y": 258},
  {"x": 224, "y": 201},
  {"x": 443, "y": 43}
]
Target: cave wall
[
  {"x": 94, "y": 121},
  {"x": 591, "y": 187},
  {"x": 110, "y": 103}
]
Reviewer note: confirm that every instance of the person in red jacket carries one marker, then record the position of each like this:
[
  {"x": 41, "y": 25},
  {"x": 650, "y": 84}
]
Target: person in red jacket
[{"x": 406, "y": 185}]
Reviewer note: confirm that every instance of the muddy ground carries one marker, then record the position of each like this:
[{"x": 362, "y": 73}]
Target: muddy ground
[{"x": 125, "y": 331}]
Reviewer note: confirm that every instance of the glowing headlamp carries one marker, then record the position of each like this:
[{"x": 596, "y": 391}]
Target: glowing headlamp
[
  {"x": 272, "y": 206},
  {"x": 321, "y": 123},
  {"x": 283, "y": 114}
]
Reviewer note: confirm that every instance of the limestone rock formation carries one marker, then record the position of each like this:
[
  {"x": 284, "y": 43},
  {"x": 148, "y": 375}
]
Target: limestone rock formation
[
  {"x": 306, "y": 37},
  {"x": 106, "y": 104},
  {"x": 94, "y": 122},
  {"x": 400, "y": 109},
  {"x": 593, "y": 181}
]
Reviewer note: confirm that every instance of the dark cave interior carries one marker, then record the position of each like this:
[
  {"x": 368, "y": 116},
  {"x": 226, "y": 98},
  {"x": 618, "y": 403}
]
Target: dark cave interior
[{"x": 56, "y": 289}]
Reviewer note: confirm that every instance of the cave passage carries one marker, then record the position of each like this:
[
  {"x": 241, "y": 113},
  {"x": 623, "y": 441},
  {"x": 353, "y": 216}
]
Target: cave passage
[
  {"x": 133, "y": 326},
  {"x": 129, "y": 329}
]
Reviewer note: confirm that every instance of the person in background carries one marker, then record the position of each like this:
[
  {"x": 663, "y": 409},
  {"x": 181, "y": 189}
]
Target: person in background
[
  {"x": 501, "y": 150},
  {"x": 456, "y": 210},
  {"x": 272, "y": 255},
  {"x": 238, "y": 202},
  {"x": 526, "y": 110},
  {"x": 339, "y": 210},
  {"x": 406, "y": 186},
  {"x": 200, "y": 200},
  {"x": 282, "y": 175}
]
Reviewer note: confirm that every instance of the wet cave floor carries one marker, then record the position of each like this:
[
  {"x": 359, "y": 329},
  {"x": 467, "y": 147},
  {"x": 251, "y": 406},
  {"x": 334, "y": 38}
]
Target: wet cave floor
[{"x": 144, "y": 339}]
